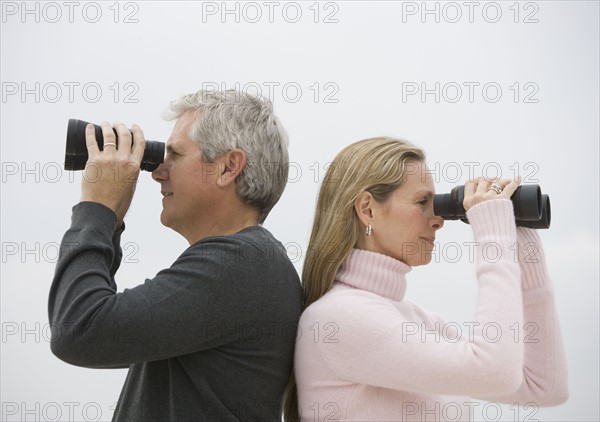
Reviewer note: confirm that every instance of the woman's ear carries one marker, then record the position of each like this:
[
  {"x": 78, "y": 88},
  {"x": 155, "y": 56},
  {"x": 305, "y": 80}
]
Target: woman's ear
[
  {"x": 231, "y": 164},
  {"x": 363, "y": 205}
]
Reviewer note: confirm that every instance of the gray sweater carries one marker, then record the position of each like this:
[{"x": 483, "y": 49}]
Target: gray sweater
[{"x": 209, "y": 339}]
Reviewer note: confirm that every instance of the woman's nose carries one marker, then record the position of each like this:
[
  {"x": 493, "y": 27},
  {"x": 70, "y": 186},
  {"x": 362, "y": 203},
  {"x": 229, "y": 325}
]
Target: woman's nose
[{"x": 437, "y": 222}]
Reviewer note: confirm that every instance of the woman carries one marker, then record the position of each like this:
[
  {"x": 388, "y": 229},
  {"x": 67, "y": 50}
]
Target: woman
[{"x": 365, "y": 353}]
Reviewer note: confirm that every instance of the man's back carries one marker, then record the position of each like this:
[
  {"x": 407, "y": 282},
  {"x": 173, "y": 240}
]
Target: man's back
[
  {"x": 210, "y": 338},
  {"x": 247, "y": 361}
]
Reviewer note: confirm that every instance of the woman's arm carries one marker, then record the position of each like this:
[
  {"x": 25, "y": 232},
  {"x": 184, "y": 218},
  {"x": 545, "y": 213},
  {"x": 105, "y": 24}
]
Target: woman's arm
[
  {"x": 545, "y": 366},
  {"x": 400, "y": 346}
]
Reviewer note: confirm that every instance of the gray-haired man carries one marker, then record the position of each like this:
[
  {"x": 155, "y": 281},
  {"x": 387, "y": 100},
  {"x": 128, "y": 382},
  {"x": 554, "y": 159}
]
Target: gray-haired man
[{"x": 211, "y": 337}]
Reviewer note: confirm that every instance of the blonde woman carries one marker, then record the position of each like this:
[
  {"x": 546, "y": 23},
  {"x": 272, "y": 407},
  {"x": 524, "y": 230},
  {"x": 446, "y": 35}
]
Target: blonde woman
[{"x": 366, "y": 353}]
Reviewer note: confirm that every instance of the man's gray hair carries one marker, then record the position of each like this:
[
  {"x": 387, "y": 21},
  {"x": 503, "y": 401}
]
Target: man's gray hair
[{"x": 232, "y": 119}]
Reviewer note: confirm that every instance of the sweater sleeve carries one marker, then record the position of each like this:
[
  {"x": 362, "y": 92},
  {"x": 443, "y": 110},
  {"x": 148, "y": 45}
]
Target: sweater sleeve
[
  {"x": 203, "y": 300},
  {"x": 400, "y": 346},
  {"x": 545, "y": 367}
]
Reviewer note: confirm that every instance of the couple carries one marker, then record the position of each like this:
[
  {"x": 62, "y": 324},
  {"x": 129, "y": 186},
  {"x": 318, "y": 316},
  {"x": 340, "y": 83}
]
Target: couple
[{"x": 213, "y": 337}]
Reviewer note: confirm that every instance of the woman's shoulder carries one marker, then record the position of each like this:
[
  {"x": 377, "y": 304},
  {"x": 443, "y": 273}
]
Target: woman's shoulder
[{"x": 344, "y": 302}]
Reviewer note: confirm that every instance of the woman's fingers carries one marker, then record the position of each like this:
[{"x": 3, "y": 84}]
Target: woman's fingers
[
  {"x": 510, "y": 187},
  {"x": 481, "y": 189}
]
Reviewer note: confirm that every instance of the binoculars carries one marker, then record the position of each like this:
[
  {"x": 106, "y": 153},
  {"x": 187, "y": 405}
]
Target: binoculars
[
  {"x": 76, "y": 154},
  {"x": 532, "y": 208}
]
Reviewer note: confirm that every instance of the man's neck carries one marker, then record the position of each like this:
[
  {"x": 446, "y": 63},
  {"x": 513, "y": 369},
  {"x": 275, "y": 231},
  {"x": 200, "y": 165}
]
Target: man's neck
[{"x": 225, "y": 223}]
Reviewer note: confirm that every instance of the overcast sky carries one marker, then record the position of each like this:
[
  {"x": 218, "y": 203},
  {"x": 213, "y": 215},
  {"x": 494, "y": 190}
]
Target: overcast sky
[{"x": 493, "y": 88}]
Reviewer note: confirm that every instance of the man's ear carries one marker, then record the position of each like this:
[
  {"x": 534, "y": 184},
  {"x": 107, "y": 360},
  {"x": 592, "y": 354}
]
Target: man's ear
[
  {"x": 231, "y": 165},
  {"x": 363, "y": 205}
]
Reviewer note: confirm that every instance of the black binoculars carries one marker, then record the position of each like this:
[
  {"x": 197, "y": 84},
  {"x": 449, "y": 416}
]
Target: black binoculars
[
  {"x": 532, "y": 209},
  {"x": 76, "y": 155}
]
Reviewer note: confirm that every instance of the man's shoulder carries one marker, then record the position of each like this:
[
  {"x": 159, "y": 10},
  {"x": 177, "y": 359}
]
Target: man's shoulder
[
  {"x": 250, "y": 246},
  {"x": 254, "y": 236}
]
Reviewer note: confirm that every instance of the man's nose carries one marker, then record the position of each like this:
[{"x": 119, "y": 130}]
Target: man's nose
[{"x": 160, "y": 173}]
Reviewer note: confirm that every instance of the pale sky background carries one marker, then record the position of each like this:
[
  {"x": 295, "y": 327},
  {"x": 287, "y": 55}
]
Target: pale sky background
[{"x": 517, "y": 90}]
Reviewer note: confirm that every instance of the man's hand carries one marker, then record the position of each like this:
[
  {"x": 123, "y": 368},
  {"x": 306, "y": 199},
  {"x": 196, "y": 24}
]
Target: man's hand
[{"x": 110, "y": 176}]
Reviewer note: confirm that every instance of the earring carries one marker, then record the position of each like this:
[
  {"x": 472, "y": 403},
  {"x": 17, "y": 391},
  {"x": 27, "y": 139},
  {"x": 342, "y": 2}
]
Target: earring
[{"x": 369, "y": 230}]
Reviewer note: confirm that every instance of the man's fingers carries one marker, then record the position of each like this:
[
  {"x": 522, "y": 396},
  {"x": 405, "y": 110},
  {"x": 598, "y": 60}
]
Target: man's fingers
[
  {"x": 110, "y": 139},
  {"x": 139, "y": 144},
  {"x": 90, "y": 140},
  {"x": 118, "y": 140},
  {"x": 124, "y": 139}
]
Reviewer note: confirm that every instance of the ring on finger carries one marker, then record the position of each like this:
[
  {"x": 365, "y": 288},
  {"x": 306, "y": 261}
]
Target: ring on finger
[
  {"x": 496, "y": 188},
  {"x": 112, "y": 144}
]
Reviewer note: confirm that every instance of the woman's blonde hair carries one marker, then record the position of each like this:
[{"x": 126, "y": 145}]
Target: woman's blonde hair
[{"x": 376, "y": 165}]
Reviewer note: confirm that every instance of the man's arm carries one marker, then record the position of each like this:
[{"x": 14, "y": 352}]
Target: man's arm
[
  {"x": 116, "y": 263},
  {"x": 204, "y": 300}
]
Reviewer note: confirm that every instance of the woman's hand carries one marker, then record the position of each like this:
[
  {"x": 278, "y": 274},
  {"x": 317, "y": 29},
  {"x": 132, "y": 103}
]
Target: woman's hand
[{"x": 482, "y": 189}]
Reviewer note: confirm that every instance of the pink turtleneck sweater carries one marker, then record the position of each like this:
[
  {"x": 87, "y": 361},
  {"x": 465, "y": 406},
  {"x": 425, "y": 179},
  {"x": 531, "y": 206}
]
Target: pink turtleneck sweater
[{"x": 365, "y": 353}]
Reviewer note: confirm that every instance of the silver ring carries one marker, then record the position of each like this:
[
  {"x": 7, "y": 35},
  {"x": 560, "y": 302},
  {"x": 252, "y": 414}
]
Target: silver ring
[
  {"x": 110, "y": 143},
  {"x": 496, "y": 188}
]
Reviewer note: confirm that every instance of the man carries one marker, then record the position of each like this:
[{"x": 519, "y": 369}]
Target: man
[{"x": 211, "y": 337}]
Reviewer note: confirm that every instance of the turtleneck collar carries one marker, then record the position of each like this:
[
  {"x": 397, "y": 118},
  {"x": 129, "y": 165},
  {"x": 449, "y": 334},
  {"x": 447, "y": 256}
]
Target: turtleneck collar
[{"x": 374, "y": 272}]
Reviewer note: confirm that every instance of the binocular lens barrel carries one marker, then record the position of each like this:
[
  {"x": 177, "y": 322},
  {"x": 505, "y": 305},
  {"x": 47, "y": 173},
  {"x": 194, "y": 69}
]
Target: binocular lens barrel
[
  {"x": 76, "y": 154},
  {"x": 532, "y": 209},
  {"x": 544, "y": 221}
]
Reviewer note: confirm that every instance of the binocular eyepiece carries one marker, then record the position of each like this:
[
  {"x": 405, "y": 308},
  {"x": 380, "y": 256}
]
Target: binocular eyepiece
[
  {"x": 76, "y": 154},
  {"x": 532, "y": 209}
]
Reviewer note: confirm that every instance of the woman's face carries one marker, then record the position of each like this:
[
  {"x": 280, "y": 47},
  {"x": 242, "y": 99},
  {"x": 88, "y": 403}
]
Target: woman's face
[{"x": 404, "y": 225}]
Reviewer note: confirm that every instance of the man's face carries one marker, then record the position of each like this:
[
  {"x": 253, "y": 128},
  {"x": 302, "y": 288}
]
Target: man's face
[{"x": 188, "y": 184}]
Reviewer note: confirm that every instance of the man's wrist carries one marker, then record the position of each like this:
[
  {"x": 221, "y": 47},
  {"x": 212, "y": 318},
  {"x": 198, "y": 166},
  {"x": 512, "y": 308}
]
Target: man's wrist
[
  {"x": 103, "y": 214},
  {"x": 119, "y": 227}
]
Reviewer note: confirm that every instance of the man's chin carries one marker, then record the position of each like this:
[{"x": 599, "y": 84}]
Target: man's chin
[{"x": 164, "y": 219}]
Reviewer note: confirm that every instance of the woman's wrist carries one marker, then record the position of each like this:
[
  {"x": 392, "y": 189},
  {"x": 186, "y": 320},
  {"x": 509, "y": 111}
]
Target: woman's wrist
[{"x": 493, "y": 220}]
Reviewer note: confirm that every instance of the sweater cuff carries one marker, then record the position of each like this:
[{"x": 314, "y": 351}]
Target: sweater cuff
[
  {"x": 95, "y": 216},
  {"x": 534, "y": 273},
  {"x": 493, "y": 219}
]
